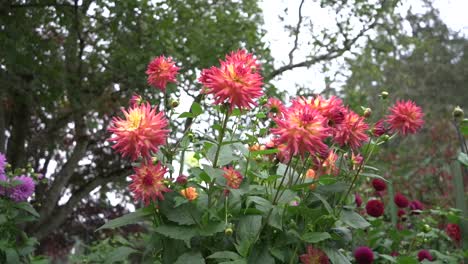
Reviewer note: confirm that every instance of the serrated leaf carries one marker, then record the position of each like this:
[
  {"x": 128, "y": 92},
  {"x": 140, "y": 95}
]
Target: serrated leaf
[
  {"x": 353, "y": 219},
  {"x": 28, "y": 208},
  {"x": 119, "y": 254},
  {"x": 225, "y": 255},
  {"x": 190, "y": 258},
  {"x": 196, "y": 109},
  {"x": 131, "y": 218},
  {"x": 177, "y": 232},
  {"x": 315, "y": 237},
  {"x": 463, "y": 158}
]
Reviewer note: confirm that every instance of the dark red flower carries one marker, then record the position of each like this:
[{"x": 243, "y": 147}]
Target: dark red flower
[
  {"x": 358, "y": 200},
  {"x": 375, "y": 208},
  {"x": 416, "y": 205},
  {"x": 401, "y": 200},
  {"x": 182, "y": 180},
  {"x": 453, "y": 231},
  {"x": 379, "y": 185},
  {"x": 379, "y": 128},
  {"x": 364, "y": 255},
  {"x": 424, "y": 254},
  {"x": 401, "y": 213}
]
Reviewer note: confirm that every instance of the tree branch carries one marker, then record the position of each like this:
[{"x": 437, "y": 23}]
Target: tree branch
[{"x": 296, "y": 32}]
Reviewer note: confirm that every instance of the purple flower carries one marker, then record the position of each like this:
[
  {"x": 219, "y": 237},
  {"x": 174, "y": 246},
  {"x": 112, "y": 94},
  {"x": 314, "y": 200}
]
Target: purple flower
[
  {"x": 2, "y": 163},
  {"x": 364, "y": 255},
  {"x": 3, "y": 178},
  {"x": 22, "y": 191}
]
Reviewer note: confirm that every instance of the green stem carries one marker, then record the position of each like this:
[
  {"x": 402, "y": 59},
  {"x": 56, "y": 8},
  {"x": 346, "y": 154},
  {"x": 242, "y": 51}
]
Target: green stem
[{"x": 220, "y": 140}]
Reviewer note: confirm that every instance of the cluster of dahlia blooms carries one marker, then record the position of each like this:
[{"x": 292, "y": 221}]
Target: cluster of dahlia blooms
[{"x": 17, "y": 188}]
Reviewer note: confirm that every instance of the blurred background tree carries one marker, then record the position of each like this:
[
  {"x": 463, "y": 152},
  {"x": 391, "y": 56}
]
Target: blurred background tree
[{"x": 67, "y": 66}]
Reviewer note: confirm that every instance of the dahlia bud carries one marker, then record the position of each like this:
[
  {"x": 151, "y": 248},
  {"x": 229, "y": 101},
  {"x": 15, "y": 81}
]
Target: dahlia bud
[
  {"x": 367, "y": 112},
  {"x": 458, "y": 113},
  {"x": 182, "y": 180},
  {"x": 229, "y": 229},
  {"x": 385, "y": 138},
  {"x": 384, "y": 95},
  {"x": 263, "y": 100},
  {"x": 426, "y": 228},
  {"x": 174, "y": 103}
]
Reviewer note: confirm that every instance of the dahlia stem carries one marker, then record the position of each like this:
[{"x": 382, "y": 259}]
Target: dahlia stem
[{"x": 220, "y": 139}]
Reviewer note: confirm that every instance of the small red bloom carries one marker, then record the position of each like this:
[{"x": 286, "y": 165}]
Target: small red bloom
[
  {"x": 275, "y": 106},
  {"x": 136, "y": 100},
  {"x": 182, "y": 180},
  {"x": 148, "y": 183},
  {"x": 141, "y": 132},
  {"x": 237, "y": 81},
  {"x": 161, "y": 70},
  {"x": 364, "y": 255},
  {"x": 314, "y": 256},
  {"x": 375, "y": 208},
  {"x": 331, "y": 108},
  {"x": 233, "y": 177},
  {"x": 405, "y": 118},
  {"x": 356, "y": 160},
  {"x": 401, "y": 213},
  {"x": 416, "y": 205},
  {"x": 301, "y": 130},
  {"x": 379, "y": 128},
  {"x": 379, "y": 184},
  {"x": 453, "y": 231},
  {"x": 352, "y": 131},
  {"x": 358, "y": 200},
  {"x": 401, "y": 200},
  {"x": 424, "y": 254}
]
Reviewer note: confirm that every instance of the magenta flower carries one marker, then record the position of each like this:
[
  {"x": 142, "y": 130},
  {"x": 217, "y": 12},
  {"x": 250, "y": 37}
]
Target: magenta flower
[{"x": 22, "y": 191}]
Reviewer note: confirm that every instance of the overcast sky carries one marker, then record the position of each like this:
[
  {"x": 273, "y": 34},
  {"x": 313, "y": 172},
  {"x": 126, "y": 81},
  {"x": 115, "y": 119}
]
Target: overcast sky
[{"x": 453, "y": 12}]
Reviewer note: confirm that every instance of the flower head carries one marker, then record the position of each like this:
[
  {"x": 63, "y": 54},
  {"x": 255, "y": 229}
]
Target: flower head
[
  {"x": 2, "y": 163},
  {"x": 356, "y": 160},
  {"x": 182, "y": 179},
  {"x": 148, "y": 183},
  {"x": 379, "y": 184},
  {"x": 364, "y": 255},
  {"x": 23, "y": 190},
  {"x": 314, "y": 256},
  {"x": 331, "y": 108},
  {"x": 352, "y": 131},
  {"x": 357, "y": 200},
  {"x": 401, "y": 200},
  {"x": 453, "y": 231},
  {"x": 136, "y": 100},
  {"x": 161, "y": 70},
  {"x": 379, "y": 128},
  {"x": 275, "y": 106},
  {"x": 405, "y": 117},
  {"x": 189, "y": 193},
  {"x": 233, "y": 177},
  {"x": 375, "y": 208},
  {"x": 401, "y": 214},
  {"x": 415, "y": 206},
  {"x": 424, "y": 254},
  {"x": 237, "y": 80},
  {"x": 301, "y": 130},
  {"x": 329, "y": 166},
  {"x": 141, "y": 132},
  {"x": 311, "y": 174}
]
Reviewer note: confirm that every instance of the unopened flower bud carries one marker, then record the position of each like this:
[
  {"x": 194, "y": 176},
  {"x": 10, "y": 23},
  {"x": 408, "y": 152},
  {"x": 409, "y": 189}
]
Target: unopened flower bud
[
  {"x": 229, "y": 230},
  {"x": 385, "y": 138},
  {"x": 384, "y": 95},
  {"x": 263, "y": 100},
  {"x": 458, "y": 113},
  {"x": 174, "y": 103},
  {"x": 367, "y": 112},
  {"x": 426, "y": 228},
  {"x": 182, "y": 180}
]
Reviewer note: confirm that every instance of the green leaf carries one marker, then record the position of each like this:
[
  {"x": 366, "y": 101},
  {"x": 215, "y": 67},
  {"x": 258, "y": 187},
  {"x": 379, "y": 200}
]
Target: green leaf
[
  {"x": 131, "y": 218},
  {"x": 407, "y": 260},
  {"x": 463, "y": 158},
  {"x": 248, "y": 228},
  {"x": 190, "y": 258},
  {"x": 211, "y": 229},
  {"x": 186, "y": 114},
  {"x": 264, "y": 152},
  {"x": 196, "y": 109},
  {"x": 324, "y": 201},
  {"x": 464, "y": 127},
  {"x": 315, "y": 237},
  {"x": 11, "y": 256},
  {"x": 262, "y": 204},
  {"x": 25, "y": 206},
  {"x": 335, "y": 256},
  {"x": 183, "y": 215},
  {"x": 373, "y": 175},
  {"x": 177, "y": 232},
  {"x": 119, "y": 254},
  {"x": 353, "y": 219},
  {"x": 225, "y": 255}
]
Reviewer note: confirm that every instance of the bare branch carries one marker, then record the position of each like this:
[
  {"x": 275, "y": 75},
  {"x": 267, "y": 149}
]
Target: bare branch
[{"x": 296, "y": 32}]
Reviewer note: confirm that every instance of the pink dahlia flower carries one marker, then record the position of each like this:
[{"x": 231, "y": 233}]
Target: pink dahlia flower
[
  {"x": 302, "y": 130},
  {"x": 140, "y": 133},
  {"x": 161, "y": 70},
  {"x": 352, "y": 131},
  {"x": 148, "y": 183},
  {"x": 237, "y": 80},
  {"x": 405, "y": 117}
]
